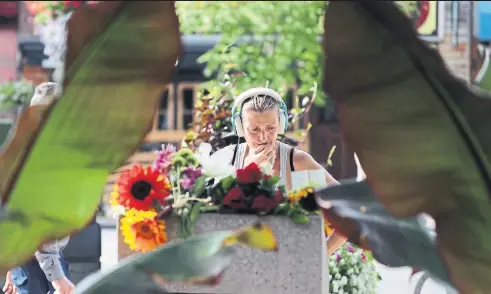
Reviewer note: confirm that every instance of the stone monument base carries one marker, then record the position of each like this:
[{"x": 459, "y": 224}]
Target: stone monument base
[{"x": 298, "y": 267}]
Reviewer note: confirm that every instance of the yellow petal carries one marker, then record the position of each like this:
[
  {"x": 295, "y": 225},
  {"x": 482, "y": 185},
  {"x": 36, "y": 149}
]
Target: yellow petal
[{"x": 259, "y": 236}]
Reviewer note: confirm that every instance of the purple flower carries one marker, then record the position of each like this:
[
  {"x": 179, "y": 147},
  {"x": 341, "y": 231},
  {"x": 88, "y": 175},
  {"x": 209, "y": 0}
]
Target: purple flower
[
  {"x": 338, "y": 257},
  {"x": 189, "y": 176},
  {"x": 164, "y": 158},
  {"x": 350, "y": 248}
]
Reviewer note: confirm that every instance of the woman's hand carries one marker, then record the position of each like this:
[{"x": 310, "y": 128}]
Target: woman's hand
[
  {"x": 265, "y": 153},
  {"x": 9, "y": 287}
]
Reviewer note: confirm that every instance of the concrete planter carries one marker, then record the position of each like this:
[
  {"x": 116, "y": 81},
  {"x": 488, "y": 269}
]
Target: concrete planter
[{"x": 297, "y": 267}]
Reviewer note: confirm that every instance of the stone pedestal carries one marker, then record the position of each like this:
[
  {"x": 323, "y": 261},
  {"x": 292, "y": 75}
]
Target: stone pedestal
[{"x": 297, "y": 267}]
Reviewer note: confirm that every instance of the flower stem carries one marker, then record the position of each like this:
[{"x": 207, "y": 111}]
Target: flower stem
[{"x": 210, "y": 208}]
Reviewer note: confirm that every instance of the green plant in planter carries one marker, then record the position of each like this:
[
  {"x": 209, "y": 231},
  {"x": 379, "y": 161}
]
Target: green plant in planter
[{"x": 15, "y": 93}]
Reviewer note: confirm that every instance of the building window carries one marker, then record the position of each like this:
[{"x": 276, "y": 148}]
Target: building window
[
  {"x": 164, "y": 118},
  {"x": 186, "y": 98}
]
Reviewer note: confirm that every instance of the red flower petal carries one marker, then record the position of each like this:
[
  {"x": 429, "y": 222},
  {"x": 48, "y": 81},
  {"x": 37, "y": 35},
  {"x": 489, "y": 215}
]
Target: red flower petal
[
  {"x": 250, "y": 174},
  {"x": 140, "y": 187},
  {"x": 263, "y": 204},
  {"x": 234, "y": 198}
]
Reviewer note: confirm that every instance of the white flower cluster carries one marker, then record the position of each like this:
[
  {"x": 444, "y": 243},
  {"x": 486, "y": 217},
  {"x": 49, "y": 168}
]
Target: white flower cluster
[
  {"x": 351, "y": 271},
  {"x": 54, "y": 37},
  {"x": 15, "y": 93}
]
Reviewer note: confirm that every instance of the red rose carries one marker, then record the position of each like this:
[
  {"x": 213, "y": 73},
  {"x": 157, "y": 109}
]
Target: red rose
[
  {"x": 265, "y": 204},
  {"x": 234, "y": 198},
  {"x": 278, "y": 197},
  {"x": 251, "y": 174}
]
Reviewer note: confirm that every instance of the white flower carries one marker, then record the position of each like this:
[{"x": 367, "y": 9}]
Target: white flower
[
  {"x": 337, "y": 276},
  {"x": 335, "y": 286},
  {"x": 344, "y": 280},
  {"x": 117, "y": 211},
  {"x": 217, "y": 165}
]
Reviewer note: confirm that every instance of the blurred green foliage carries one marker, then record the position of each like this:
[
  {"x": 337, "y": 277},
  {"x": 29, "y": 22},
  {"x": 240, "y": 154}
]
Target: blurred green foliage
[{"x": 283, "y": 50}]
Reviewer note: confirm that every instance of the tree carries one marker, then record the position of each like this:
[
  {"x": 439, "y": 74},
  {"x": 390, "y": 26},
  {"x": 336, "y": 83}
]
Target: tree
[{"x": 282, "y": 45}]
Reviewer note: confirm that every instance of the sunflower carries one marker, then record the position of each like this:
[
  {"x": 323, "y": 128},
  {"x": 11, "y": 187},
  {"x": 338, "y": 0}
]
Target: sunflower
[
  {"x": 140, "y": 187},
  {"x": 142, "y": 231},
  {"x": 302, "y": 196}
]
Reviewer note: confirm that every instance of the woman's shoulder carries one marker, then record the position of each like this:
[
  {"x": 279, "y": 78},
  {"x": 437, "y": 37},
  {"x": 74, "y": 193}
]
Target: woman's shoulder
[{"x": 304, "y": 161}]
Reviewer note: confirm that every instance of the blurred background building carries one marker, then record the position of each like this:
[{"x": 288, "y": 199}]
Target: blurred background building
[{"x": 460, "y": 31}]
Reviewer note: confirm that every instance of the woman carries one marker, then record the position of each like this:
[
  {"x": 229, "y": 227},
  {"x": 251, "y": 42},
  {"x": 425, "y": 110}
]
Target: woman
[{"x": 259, "y": 115}]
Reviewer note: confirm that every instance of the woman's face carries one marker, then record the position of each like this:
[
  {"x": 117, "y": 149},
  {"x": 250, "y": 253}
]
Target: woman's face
[{"x": 260, "y": 128}]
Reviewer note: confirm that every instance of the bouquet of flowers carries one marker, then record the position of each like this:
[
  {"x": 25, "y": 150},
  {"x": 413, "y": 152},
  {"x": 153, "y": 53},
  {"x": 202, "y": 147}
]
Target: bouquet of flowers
[
  {"x": 146, "y": 195},
  {"x": 185, "y": 183},
  {"x": 352, "y": 271},
  {"x": 15, "y": 93}
]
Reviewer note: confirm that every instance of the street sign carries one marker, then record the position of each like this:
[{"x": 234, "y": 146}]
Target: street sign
[{"x": 428, "y": 18}]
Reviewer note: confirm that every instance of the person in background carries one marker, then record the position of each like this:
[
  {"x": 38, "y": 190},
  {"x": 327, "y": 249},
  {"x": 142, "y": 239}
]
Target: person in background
[
  {"x": 47, "y": 271},
  {"x": 259, "y": 115}
]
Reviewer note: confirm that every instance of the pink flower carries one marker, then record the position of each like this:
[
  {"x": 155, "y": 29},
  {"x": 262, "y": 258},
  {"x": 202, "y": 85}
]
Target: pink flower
[
  {"x": 189, "y": 176},
  {"x": 350, "y": 249},
  {"x": 164, "y": 158}
]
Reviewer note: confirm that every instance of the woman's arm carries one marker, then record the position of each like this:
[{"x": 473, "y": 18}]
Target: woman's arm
[{"x": 304, "y": 161}]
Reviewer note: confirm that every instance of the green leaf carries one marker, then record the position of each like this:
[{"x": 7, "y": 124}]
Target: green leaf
[
  {"x": 195, "y": 210},
  {"x": 199, "y": 186},
  {"x": 438, "y": 144},
  {"x": 353, "y": 210},
  {"x": 299, "y": 218},
  {"x": 227, "y": 183},
  {"x": 82, "y": 139},
  {"x": 282, "y": 208},
  {"x": 193, "y": 217},
  {"x": 273, "y": 180}
]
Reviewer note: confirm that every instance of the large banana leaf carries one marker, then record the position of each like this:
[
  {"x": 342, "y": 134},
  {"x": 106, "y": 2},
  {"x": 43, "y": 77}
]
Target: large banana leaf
[
  {"x": 199, "y": 259},
  {"x": 106, "y": 109},
  {"x": 422, "y": 135}
]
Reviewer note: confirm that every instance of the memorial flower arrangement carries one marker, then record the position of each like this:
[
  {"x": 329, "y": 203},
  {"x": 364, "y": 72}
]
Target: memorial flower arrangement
[
  {"x": 15, "y": 93},
  {"x": 184, "y": 183},
  {"x": 352, "y": 271}
]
